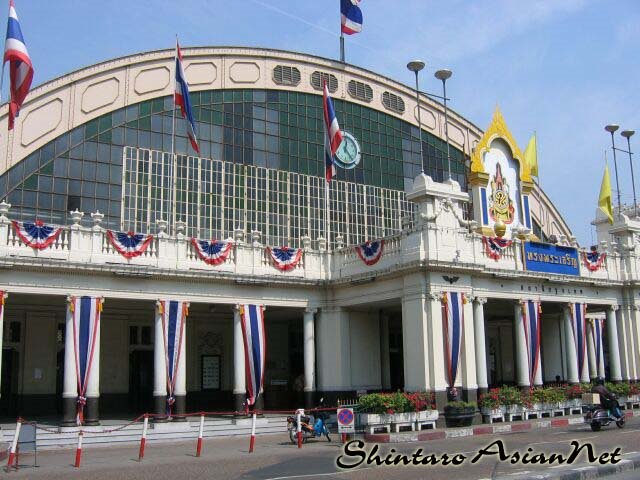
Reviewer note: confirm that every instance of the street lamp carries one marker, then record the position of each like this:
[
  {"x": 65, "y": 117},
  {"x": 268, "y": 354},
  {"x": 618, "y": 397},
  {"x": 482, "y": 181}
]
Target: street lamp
[
  {"x": 628, "y": 134},
  {"x": 444, "y": 75},
  {"x": 415, "y": 66},
  {"x": 611, "y": 128}
]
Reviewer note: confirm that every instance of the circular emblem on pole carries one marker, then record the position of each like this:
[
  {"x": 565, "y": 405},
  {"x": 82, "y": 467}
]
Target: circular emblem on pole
[
  {"x": 349, "y": 153},
  {"x": 346, "y": 420}
]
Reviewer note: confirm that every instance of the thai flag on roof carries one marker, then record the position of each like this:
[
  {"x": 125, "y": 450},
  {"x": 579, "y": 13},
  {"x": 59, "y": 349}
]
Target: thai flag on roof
[
  {"x": 183, "y": 101},
  {"x": 351, "y": 16},
  {"x": 333, "y": 135},
  {"x": 20, "y": 66},
  {"x": 252, "y": 317}
]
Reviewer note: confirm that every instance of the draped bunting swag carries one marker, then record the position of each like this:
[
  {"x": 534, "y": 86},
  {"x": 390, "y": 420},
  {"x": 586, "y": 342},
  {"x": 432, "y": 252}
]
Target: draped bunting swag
[
  {"x": 453, "y": 326},
  {"x": 174, "y": 317},
  {"x": 129, "y": 244},
  {"x": 494, "y": 245},
  {"x": 36, "y": 234},
  {"x": 593, "y": 260},
  {"x": 285, "y": 258},
  {"x": 85, "y": 312},
  {"x": 370, "y": 252},
  {"x": 252, "y": 317},
  {"x": 212, "y": 252}
]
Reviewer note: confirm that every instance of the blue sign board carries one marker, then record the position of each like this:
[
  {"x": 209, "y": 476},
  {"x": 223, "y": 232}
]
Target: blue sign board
[{"x": 549, "y": 258}]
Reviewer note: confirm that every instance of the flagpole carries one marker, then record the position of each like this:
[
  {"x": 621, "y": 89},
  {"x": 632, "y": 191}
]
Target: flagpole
[
  {"x": 341, "y": 37},
  {"x": 173, "y": 143}
]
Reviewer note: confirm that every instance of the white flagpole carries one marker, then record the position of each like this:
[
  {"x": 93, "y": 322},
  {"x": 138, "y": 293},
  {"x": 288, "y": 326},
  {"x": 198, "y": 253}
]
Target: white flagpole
[
  {"x": 173, "y": 160},
  {"x": 327, "y": 213}
]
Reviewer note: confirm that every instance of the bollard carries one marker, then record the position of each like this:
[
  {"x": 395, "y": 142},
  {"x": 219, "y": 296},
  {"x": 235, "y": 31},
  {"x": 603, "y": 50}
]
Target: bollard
[
  {"x": 344, "y": 438},
  {"x": 14, "y": 443},
  {"x": 143, "y": 438},
  {"x": 79, "y": 449},
  {"x": 200, "y": 432},
  {"x": 299, "y": 428},
  {"x": 253, "y": 433}
]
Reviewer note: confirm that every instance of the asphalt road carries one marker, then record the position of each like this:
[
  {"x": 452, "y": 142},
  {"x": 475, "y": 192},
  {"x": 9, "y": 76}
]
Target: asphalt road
[{"x": 275, "y": 458}]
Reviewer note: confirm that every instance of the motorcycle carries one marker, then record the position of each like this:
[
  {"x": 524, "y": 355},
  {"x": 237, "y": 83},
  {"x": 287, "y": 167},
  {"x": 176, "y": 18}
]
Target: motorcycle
[
  {"x": 598, "y": 417},
  {"x": 309, "y": 428}
]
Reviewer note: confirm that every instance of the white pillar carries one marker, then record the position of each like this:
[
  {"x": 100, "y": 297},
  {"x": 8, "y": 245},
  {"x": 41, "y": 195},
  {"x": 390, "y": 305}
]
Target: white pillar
[
  {"x": 181, "y": 371},
  {"x": 481, "y": 348},
  {"x": 622, "y": 344},
  {"x": 591, "y": 349},
  {"x": 70, "y": 380},
  {"x": 570, "y": 347},
  {"x": 522, "y": 362},
  {"x": 468, "y": 373},
  {"x": 239, "y": 376},
  {"x": 384, "y": 352},
  {"x": 612, "y": 342},
  {"x": 309, "y": 350},
  {"x": 415, "y": 343},
  {"x": 93, "y": 382},
  {"x": 334, "y": 350},
  {"x": 159, "y": 360},
  {"x": 2, "y": 332}
]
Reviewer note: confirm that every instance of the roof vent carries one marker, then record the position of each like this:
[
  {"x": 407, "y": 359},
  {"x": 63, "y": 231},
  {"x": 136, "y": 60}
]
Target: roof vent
[
  {"x": 285, "y": 75},
  {"x": 393, "y": 102},
  {"x": 318, "y": 78},
  {"x": 360, "y": 90}
]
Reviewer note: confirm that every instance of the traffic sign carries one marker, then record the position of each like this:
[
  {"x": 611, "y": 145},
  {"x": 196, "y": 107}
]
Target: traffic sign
[{"x": 346, "y": 420}]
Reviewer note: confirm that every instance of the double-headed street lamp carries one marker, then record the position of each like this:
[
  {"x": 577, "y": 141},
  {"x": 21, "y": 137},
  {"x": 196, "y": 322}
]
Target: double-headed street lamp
[
  {"x": 443, "y": 75},
  {"x": 612, "y": 128}
]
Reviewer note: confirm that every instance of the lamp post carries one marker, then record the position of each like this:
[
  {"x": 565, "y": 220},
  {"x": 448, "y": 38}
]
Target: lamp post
[
  {"x": 444, "y": 75},
  {"x": 611, "y": 128},
  {"x": 628, "y": 134},
  {"x": 415, "y": 66}
]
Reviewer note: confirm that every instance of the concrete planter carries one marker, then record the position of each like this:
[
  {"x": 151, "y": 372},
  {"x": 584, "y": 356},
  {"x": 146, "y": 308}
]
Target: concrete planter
[
  {"x": 427, "y": 415},
  {"x": 375, "y": 418}
]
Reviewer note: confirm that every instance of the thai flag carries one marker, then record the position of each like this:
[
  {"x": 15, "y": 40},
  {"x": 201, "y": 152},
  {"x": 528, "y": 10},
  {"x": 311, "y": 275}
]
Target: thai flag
[
  {"x": 453, "y": 327},
  {"x": 333, "y": 135},
  {"x": 578, "y": 324},
  {"x": 252, "y": 317},
  {"x": 20, "y": 66},
  {"x": 86, "y": 325},
  {"x": 351, "y": 16},
  {"x": 531, "y": 324},
  {"x": 183, "y": 101},
  {"x": 596, "y": 337},
  {"x": 174, "y": 317}
]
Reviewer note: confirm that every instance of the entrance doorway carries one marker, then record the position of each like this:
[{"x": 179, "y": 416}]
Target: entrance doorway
[
  {"x": 141, "y": 381},
  {"x": 396, "y": 355},
  {"x": 8, "y": 394}
]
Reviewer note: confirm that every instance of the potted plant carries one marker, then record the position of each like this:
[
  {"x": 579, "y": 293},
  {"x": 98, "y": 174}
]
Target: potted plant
[
  {"x": 459, "y": 414},
  {"x": 510, "y": 399},
  {"x": 489, "y": 402},
  {"x": 424, "y": 405},
  {"x": 374, "y": 409}
]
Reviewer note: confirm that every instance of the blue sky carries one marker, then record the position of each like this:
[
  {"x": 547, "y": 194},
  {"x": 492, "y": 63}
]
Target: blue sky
[{"x": 562, "y": 68}]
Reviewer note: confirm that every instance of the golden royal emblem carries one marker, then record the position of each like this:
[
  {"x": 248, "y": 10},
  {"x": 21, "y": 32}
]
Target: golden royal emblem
[{"x": 500, "y": 203}]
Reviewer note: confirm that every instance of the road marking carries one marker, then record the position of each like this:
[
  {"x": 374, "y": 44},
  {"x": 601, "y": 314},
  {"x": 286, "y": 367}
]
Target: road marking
[
  {"x": 558, "y": 441},
  {"x": 338, "y": 472}
]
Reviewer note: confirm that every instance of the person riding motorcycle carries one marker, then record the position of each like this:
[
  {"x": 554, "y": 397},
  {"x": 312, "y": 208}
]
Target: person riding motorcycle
[{"x": 608, "y": 400}]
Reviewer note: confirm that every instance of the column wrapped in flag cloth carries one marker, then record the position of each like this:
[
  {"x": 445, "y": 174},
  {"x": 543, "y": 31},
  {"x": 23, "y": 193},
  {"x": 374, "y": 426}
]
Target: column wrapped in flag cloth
[
  {"x": 531, "y": 323},
  {"x": 453, "y": 327},
  {"x": 36, "y": 234},
  {"x": 252, "y": 317},
  {"x": 20, "y": 66},
  {"x": 174, "y": 317},
  {"x": 85, "y": 312},
  {"x": 578, "y": 328}
]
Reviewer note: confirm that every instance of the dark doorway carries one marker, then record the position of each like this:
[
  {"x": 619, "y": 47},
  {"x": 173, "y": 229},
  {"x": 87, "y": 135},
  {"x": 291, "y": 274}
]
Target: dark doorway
[
  {"x": 141, "y": 381},
  {"x": 59, "y": 380},
  {"x": 396, "y": 354},
  {"x": 8, "y": 393}
]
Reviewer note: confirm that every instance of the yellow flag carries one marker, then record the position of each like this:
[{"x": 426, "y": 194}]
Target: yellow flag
[
  {"x": 531, "y": 156},
  {"x": 604, "y": 201}
]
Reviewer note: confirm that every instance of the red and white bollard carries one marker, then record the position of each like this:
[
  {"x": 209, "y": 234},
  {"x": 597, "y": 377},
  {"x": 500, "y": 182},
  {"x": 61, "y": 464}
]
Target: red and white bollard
[
  {"x": 344, "y": 438},
  {"x": 143, "y": 438},
  {"x": 299, "y": 427},
  {"x": 79, "y": 449},
  {"x": 253, "y": 433},
  {"x": 14, "y": 444},
  {"x": 200, "y": 432}
]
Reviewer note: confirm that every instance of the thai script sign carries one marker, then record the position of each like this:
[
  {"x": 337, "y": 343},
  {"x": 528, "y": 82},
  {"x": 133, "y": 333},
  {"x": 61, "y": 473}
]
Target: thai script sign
[{"x": 549, "y": 258}]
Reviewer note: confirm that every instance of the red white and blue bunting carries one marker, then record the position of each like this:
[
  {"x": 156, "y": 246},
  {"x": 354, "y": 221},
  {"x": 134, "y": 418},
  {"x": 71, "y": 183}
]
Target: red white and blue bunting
[
  {"x": 174, "y": 316},
  {"x": 285, "y": 258},
  {"x": 593, "y": 260},
  {"x": 453, "y": 326},
  {"x": 531, "y": 323},
  {"x": 252, "y": 317},
  {"x": 129, "y": 244},
  {"x": 370, "y": 252},
  {"x": 85, "y": 312},
  {"x": 579, "y": 330},
  {"x": 494, "y": 246},
  {"x": 596, "y": 325},
  {"x": 212, "y": 252},
  {"x": 36, "y": 234}
]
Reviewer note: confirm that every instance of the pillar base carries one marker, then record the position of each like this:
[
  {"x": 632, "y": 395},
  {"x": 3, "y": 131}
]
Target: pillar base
[
  {"x": 160, "y": 408},
  {"x": 259, "y": 403},
  {"x": 309, "y": 400},
  {"x": 482, "y": 391},
  {"x": 239, "y": 400},
  {"x": 179, "y": 408},
  {"x": 470, "y": 395},
  {"x": 92, "y": 411},
  {"x": 69, "y": 411},
  {"x": 441, "y": 400}
]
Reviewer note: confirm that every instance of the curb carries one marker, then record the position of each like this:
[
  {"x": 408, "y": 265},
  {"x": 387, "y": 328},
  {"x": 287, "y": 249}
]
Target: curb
[
  {"x": 510, "y": 427},
  {"x": 584, "y": 473}
]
